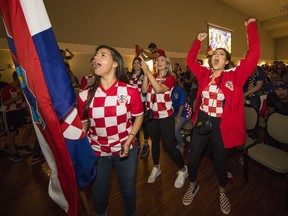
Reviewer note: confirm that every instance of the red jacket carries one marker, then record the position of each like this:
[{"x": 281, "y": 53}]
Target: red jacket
[{"x": 232, "y": 123}]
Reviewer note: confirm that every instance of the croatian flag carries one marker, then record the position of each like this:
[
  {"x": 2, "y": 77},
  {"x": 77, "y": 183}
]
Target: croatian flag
[{"x": 51, "y": 100}]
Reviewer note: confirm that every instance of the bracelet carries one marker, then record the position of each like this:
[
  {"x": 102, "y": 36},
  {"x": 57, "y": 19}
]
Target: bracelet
[{"x": 132, "y": 134}]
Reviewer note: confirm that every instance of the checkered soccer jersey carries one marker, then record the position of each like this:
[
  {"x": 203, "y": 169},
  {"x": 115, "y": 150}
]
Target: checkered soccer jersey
[
  {"x": 9, "y": 92},
  {"x": 137, "y": 82},
  {"x": 212, "y": 100},
  {"x": 110, "y": 114},
  {"x": 162, "y": 104},
  {"x": 85, "y": 80}
]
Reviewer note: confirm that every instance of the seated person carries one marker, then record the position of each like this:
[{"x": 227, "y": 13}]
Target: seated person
[{"x": 277, "y": 100}]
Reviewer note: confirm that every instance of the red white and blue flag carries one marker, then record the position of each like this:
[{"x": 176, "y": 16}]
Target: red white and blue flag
[{"x": 51, "y": 100}]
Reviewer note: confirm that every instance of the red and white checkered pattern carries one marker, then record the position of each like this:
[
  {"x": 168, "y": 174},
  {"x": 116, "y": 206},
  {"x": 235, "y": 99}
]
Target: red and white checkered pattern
[
  {"x": 9, "y": 92},
  {"x": 189, "y": 110},
  {"x": 137, "y": 83},
  {"x": 70, "y": 126},
  {"x": 212, "y": 100},
  {"x": 162, "y": 104},
  {"x": 86, "y": 80},
  {"x": 110, "y": 114}
]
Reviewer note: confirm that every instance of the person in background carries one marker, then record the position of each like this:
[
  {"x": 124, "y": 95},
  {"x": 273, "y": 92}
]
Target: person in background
[
  {"x": 159, "y": 87},
  {"x": 218, "y": 100},
  {"x": 177, "y": 68},
  {"x": 87, "y": 79},
  {"x": 252, "y": 88},
  {"x": 74, "y": 80},
  {"x": 153, "y": 54},
  {"x": 137, "y": 76},
  {"x": 269, "y": 81},
  {"x": 281, "y": 69},
  {"x": 106, "y": 110},
  {"x": 16, "y": 116},
  {"x": 277, "y": 100},
  {"x": 209, "y": 54},
  {"x": 182, "y": 111},
  {"x": 187, "y": 82},
  {"x": 2, "y": 127},
  {"x": 194, "y": 86},
  {"x": 66, "y": 58}
]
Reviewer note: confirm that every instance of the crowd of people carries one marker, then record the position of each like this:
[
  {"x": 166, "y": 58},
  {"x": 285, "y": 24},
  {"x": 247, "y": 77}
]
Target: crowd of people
[
  {"x": 112, "y": 103},
  {"x": 15, "y": 116}
]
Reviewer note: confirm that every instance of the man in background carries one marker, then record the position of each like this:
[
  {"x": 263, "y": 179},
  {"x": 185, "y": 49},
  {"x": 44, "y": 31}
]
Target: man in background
[
  {"x": 277, "y": 100},
  {"x": 153, "y": 52}
]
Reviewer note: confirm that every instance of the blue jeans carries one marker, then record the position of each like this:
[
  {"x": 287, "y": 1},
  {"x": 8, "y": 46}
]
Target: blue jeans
[
  {"x": 178, "y": 135},
  {"x": 126, "y": 172}
]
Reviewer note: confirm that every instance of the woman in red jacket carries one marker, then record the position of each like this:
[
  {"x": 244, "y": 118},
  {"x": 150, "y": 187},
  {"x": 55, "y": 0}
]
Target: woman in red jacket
[{"x": 219, "y": 97}]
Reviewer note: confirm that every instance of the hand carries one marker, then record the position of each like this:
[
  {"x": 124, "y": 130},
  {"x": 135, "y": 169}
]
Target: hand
[
  {"x": 124, "y": 151},
  {"x": 145, "y": 67},
  {"x": 202, "y": 36},
  {"x": 177, "y": 122},
  {"x": 249, "y": 21}
]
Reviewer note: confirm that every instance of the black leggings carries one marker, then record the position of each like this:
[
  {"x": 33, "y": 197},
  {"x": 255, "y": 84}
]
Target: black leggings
[
  {"x": 144, "y": 127},
  {"x": 197, "y": 146},
  {"x": 164, "y": 128}
]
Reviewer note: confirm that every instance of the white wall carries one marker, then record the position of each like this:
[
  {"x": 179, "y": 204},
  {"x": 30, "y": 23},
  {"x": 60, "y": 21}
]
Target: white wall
[
  {"x": 282, "y": 49},
  {"x": 172, "y": 25}
]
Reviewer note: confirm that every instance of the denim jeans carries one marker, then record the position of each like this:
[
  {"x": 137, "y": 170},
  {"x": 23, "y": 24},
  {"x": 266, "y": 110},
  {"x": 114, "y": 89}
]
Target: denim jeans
[
  {"x": 126, "y": 172},
  {"x": 178, "y": 135}
]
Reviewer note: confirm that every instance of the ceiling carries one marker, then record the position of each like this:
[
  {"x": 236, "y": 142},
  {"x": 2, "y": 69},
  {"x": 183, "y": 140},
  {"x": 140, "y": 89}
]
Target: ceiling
[{"x": 273, "y": 14}]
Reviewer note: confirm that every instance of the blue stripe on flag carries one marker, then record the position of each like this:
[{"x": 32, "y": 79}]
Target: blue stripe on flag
[{"x": 55, "y": 72}]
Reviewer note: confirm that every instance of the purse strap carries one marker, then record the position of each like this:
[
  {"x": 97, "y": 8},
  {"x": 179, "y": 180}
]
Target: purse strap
[
  {"x": 219, "y": 82},
  {"x": 153, "y": 100}
]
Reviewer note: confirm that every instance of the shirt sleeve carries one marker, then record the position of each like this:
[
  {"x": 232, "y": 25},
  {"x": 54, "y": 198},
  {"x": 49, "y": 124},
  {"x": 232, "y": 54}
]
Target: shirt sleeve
[
  {"x": 169, "y": 81},
  {"x": 260, "y": 76},
  {"x": 82, "y": 98},
  {"x": 83, "y": 82},
  {"x": 191, "y": 60},
  {"x": 136, "y": 102},
  {"x": 182, "y": 96}
]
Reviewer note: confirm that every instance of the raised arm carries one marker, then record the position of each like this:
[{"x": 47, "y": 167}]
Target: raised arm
[
  {"x": 191, "y": 59},
  {"x": 148, "y": 76},
  {"x": 249, "y": 63}
]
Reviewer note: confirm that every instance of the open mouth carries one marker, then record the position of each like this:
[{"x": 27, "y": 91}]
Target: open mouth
[
  {"x": 96, "y": 65},
  {"x": 216, "y": 61}
]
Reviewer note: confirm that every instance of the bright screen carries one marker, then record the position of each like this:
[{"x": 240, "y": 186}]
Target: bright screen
[{"x": 219, "y": 38}]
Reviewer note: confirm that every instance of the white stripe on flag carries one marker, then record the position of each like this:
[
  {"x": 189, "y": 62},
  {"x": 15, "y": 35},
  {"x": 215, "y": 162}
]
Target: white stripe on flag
[
  {"x": 54, "y": 189},
  {"x": 35, "y": 15}
]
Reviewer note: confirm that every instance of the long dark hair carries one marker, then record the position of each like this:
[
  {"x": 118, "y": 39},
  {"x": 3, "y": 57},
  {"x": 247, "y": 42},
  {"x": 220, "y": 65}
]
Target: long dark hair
[
  {"x": 119, "y": 71},
  {"x": 133, "y": 70}
]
